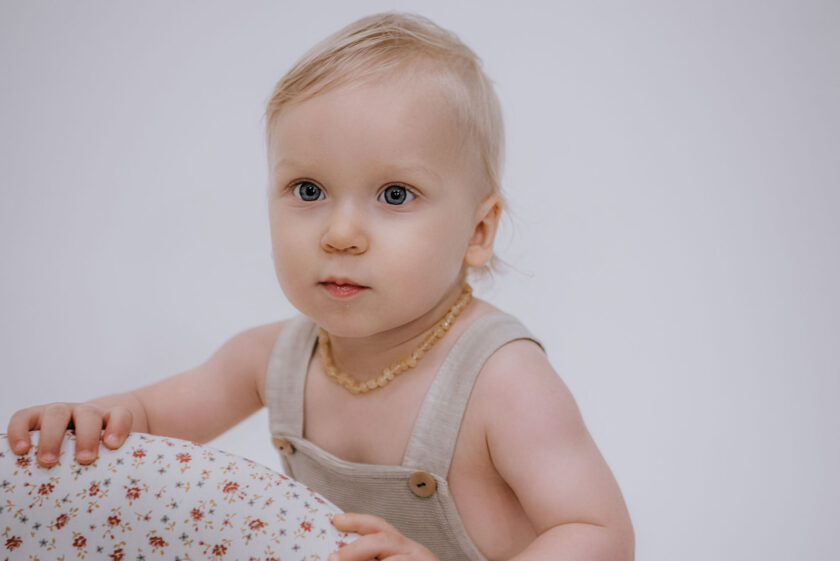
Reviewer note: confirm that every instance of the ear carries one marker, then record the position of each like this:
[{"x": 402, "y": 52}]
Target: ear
[{"x": 486, "y": 220}]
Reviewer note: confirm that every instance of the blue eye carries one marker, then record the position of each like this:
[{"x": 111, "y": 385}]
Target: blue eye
[
  {"x": 308, "y": 191},
  {"x": 396, "y": 195}
]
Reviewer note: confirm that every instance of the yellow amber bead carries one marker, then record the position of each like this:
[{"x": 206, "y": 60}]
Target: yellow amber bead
[{"x": 437, "y": 332}]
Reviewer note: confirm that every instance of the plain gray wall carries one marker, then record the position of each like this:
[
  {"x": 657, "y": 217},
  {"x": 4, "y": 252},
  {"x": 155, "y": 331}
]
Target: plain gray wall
[{"x": 673, "y": 177}]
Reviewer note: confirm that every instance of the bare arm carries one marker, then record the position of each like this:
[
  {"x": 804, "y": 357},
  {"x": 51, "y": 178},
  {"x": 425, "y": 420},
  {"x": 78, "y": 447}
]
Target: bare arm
[
  {"x": 197, "y": 404},
  {"x": 565, "y": 488}
]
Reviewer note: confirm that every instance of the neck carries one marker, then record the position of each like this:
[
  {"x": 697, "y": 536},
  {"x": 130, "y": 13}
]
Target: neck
[{"x": 366, "y": 357}]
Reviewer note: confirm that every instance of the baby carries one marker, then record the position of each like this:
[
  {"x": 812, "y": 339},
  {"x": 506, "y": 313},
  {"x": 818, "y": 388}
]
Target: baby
[{"x": 431, "y": 417}]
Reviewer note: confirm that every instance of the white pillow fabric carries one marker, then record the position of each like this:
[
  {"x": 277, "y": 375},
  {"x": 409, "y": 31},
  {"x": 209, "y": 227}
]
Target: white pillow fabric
[{"x": 158, "y": 498}]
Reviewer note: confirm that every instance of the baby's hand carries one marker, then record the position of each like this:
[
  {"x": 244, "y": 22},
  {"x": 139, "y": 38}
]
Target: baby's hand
[
  {"x": 378, "y": 540},
  {"x": 87, "y": 419}
]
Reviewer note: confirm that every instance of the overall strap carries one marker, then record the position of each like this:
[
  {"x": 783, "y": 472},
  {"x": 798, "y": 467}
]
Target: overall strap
[
  {"x": 286, "y": 376},
  {"x": 432, "y": 441}
]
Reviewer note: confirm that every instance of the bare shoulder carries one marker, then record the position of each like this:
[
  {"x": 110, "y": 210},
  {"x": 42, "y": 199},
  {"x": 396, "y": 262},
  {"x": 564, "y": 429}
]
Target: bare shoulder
[
  {"x": 519, "y": 386},
  {"x": 526, "y": 410},
  {"x": 253, "y": 346},
  {"x": 260, "y": 336}
]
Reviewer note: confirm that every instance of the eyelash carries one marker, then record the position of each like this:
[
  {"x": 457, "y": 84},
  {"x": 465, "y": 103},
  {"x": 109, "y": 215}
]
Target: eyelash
[
  {"x": 296, "y": 191},
  {"x": 409, "y": 194}
]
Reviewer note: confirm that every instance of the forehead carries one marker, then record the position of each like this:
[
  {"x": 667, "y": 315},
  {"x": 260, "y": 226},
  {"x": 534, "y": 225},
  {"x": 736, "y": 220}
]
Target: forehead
[{"x": 402, "y": 120}]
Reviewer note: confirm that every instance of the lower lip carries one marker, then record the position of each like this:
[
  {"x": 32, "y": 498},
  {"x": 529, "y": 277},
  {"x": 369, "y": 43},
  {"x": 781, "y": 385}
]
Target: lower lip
[{"x": 342, "y": 290}]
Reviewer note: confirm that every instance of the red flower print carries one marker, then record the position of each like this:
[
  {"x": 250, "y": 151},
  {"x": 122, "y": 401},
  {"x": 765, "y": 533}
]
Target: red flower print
[
  {"x": 139, "y": 453},
  {"x": 230, "y": 487},
  {"x": 13, "y": 543},
  {"x": 79, "y": 542},
  {"x": 306, "y": 525},
  {"x": 61, "y": 521},
  {"x": 113, "y": 521},
  {"x": 157, "y": 541},
  {"x": 219, "y": 549},
  {"x": 117, "y": 555},
  {"x": 46, "y": 488},
  {"x": 256, "y": 524},
  {"x": 132, "y": 493},
  {"x": 24, "y": 461},
  {"x": 94, "y": 489},
  {"x": 196, "y": 514},
  {"x": 183, "y": 457}
]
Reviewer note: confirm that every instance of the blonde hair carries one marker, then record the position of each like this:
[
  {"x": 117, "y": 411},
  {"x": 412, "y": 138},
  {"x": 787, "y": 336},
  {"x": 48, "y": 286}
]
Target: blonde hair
[{"x": 392, "y": 42}]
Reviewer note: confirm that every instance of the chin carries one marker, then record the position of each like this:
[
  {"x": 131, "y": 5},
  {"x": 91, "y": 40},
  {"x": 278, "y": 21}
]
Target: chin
[{"x": 352, "y": 325}]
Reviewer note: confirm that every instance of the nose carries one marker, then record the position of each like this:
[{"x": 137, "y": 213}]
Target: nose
[{"x": 345, "y": 232}]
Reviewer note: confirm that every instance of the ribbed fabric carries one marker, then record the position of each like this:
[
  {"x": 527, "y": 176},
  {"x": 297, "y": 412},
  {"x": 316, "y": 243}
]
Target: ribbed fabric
[{"x": 384, "y": 490}]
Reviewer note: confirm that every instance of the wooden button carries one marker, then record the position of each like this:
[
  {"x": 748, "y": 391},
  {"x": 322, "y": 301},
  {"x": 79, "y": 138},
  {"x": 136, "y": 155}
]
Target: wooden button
[
  {"x": 283, "y": 445},
  {"x": 422, "y": 484}
]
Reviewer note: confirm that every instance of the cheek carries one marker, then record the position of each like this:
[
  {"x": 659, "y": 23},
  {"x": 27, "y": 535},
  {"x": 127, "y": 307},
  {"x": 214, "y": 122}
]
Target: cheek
[
  {"x": 288, "y": 245},
  {"x": 432, "y": 248}
]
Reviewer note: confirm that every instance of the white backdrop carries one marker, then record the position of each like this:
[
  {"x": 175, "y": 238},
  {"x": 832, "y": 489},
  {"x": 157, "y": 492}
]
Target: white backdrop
[{"x": 673, "y": 176}]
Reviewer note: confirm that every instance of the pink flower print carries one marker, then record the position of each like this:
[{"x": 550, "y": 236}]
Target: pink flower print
[
  {"x": 139, "y": 456},
  {"x": 306, "y": 526},
  {"x": 24, "y": 461},
  {"x": 196, "y": 514},
  {"x": 13, "y": 543},
  {"x": 61, "y": 521},
  {"x": 219, "y": 550},
  {"x": 117, "y": 555},
  {"x": 94, "y": 489},
  {"x": 256, "y": 524},
  {"x": 79, "y": 542},
  {"x": 45, "y": 489},
  {"x": 232, "y": 491},
  {"x": 157, "y": 541},
  {"x": 113, "y": 520},
  {"x": 132, "y": 493},
  {"x": 183, "y": 457}
]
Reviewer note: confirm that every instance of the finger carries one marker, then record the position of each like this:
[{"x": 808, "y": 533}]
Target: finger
[
  {"x": 118, "y": 421},
  {"x": 378, "y": 545},
  {"x": 87, "y": 421},
  {"x": 54, "y": 422},
  {"x": 19, "y": 426},
  {"x": 361, "y": 523}
]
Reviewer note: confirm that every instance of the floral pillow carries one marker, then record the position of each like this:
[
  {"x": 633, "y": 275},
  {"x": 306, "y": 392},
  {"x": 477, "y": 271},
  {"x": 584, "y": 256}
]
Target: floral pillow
[{"x": 158, "y": 498}]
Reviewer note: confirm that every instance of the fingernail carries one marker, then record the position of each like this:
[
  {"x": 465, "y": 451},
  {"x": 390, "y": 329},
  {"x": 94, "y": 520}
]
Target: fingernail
[
  {"x": 21, "y": 446},
  {"x": 84, "y": 457},
  {"x": 111, "y": 440},
  {"x": 47, "y": 458}
]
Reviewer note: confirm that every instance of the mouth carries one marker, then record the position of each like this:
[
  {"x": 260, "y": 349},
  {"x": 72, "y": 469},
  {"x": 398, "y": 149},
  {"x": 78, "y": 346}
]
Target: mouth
[{"x": 342, "y": 287}]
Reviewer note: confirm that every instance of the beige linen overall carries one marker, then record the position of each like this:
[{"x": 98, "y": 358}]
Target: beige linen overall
[{"x": 414, "y": 496}]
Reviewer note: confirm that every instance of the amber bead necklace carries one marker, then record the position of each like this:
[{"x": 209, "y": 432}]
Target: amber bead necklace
[{"x": 398, "y": 367}]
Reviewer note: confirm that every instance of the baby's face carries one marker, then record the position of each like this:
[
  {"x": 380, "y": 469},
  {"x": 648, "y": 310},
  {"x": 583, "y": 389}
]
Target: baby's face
[{"x": 372, "y": 204}]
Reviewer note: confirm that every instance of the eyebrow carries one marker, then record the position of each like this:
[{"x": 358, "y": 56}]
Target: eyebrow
[
  {"x": 415, "y": 168},
  {"x": 394, "y": 169},
  {"x": 289, "y": 162}
]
